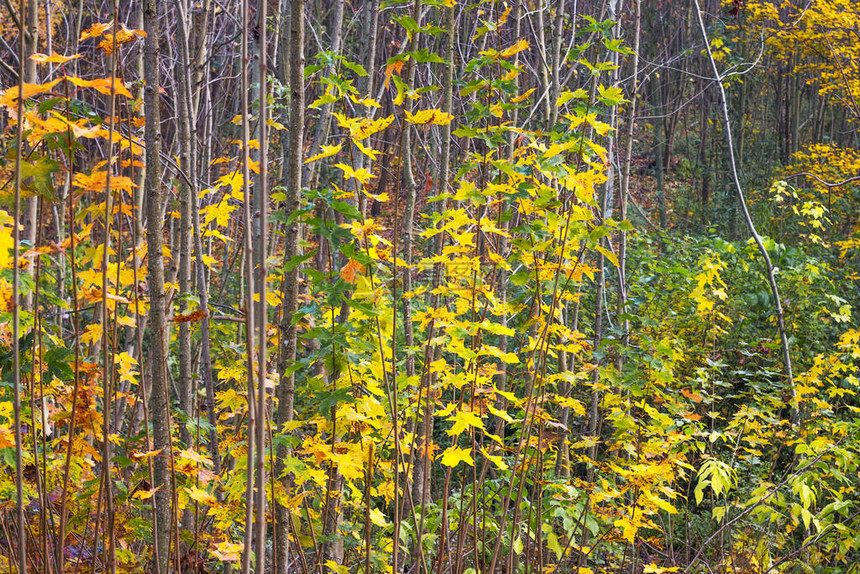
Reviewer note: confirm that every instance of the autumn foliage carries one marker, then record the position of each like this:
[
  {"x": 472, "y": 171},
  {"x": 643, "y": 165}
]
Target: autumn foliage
[{"x": 481, "y": 329}]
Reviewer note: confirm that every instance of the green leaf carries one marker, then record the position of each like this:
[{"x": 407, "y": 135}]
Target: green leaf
[
  {"x": 346, "y": 209},
  {"x": 408, "y": 23},
  {"x": 350, "y": 250},
  {"x": 357, "y": 68},
  {"x": 424, "y": 56},
  {"x": 553, "y": 544},
  {"x": 297, "y": 260}
]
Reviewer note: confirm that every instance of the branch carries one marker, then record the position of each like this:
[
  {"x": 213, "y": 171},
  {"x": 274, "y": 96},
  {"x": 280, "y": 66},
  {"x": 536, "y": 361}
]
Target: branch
[
  {"x": 823, "y": 182},
  {"x": 771, "y": 273}
]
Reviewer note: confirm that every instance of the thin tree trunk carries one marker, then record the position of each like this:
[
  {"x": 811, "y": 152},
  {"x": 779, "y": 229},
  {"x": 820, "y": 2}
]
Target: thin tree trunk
[
  {"x": 621, "y": 303},
  {"x": 286, "y": 384},
  {"x": 324, "y": 124},
  {"x": 16, "y": 317},
  {"x": 771, "y": 273},
  {"x": 186, "y": 196},
  {"x": 159, "y": 405},
  {"x": 262, "y": 202},
  {"x": 421, "y": 472},
  {"x": 30, "y": 42},
  {"x": 248, "y": 270},
  {"x": 557, "y": 37}
]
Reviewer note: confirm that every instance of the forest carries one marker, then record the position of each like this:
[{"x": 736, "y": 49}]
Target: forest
[{"x": 429, "y": 286}]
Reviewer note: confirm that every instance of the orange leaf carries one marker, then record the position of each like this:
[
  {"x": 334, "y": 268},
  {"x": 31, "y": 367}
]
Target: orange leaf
[
  {"x": 53, "y": 59},
  {"x": 349, "y": 270},
  {"x": 195, "y": 316},
  {"x": 94, "y": 31},
  {"x": 101, "y": 85},
  {"x": 695, "y": 397},
  {"x": 395, "y": 68}
]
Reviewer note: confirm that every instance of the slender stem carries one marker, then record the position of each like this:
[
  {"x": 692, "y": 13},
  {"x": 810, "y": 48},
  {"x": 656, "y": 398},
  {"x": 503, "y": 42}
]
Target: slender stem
[
  {"x": 771, "y": 272},
  {"x": 249, "y": 290},
  {"x": 16, "y": 312},
  {"x": 262, "y": 324}
]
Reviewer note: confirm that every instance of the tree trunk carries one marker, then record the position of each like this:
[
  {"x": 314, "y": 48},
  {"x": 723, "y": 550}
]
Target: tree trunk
[
  {"x": 159, "y": 405},
  {"x": 287, "y": 351}
]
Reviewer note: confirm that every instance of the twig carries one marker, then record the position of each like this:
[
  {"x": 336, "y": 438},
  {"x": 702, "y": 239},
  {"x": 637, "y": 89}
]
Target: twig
[{"x": 823, "y": 182}]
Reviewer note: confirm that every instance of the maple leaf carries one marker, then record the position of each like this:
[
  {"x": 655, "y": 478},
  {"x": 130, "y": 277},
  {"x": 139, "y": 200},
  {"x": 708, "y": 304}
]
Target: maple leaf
[
  {"x": 454, "y": 455},
  {"x": 201, "y": 496},
  {"x": 53, "y": 59},
  {"x": 326, "y": 151},
  {"x": 349, "y": 270},
  {"x": 570, "y": 403},
  {"x": 92, "y": 333},
  {"x": 145, "y": 494},
  {"x": 426, "y": 117},
  {"x": 138, "y": 456},
  {"x": 519, "y": 46},
  {"x": 361, "y": 174},
  {"x": 463, "y": 420},
  {"x": 371, "y": 153},
  {"x": 95, "y": 30},
  {"x": 101, "y": 85},
  {"x": 9, "y": 99},
  {"x": 495, "y": 459},
  {"x": 366, "y": 128},
  {"x": 227, "y": 551}
]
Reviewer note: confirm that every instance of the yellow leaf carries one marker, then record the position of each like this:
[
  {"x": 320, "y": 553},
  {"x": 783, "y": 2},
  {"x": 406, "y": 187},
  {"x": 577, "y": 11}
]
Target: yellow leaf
[
  {"x": 101, "y": 85},
  {"x": 608, "y": 254},
  {"x": 144, "y": 494},
  {"x": 142, "y": 456},
  {"x": 463, "y": 420},
  {"x": 518, "y": 47},
  {"x": 9, "y": 99},
  {"x": 497, "y": 460},
  {"x": 454, "y": 455},
  {"x": 361, "y": 175},
  {"x": 227, "y": 551},
  {"x": 425, "y": 117},
  {"x": 218, "y": 212},
  {"x": 7, "y": 242},
  {"x": 54, "y": 59},
  {"x": 92, "y": 333},
  {"x": 94, "y": 31},
  {"x": 628, "y": 527},
  {"x": 522, "y": 97},
  {"x": 336, "y": 568},
  {"x": 365, "y": 128},
  {"x": 234, "y": 181},
  {"x": 378, "y": 518},
  {"x": 369, "y": 102},
  {"x": 655, "y": 569},
  {"x": 371, "y": 153},
  {"x": 326, "y": 151},
  {"x": 573, "y": 404},
  {"x": 201, "y": 496}
]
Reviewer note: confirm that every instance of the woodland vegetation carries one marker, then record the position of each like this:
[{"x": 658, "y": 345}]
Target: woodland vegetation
[{"x": 429, "y": 286}]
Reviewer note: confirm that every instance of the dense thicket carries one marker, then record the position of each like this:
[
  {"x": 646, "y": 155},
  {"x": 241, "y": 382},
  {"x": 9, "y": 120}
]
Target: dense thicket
[{"x": 429, "y": 286}]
